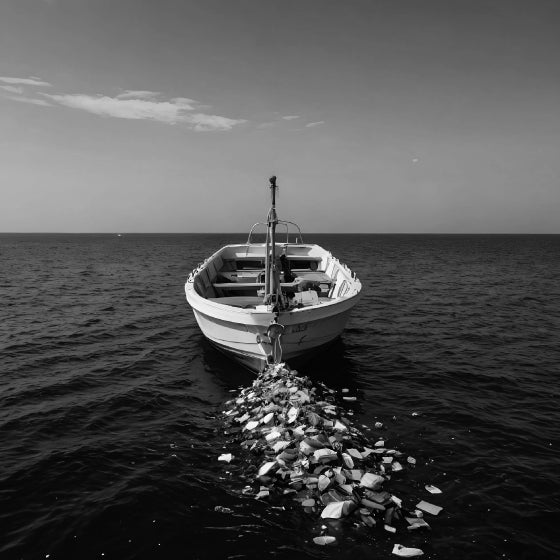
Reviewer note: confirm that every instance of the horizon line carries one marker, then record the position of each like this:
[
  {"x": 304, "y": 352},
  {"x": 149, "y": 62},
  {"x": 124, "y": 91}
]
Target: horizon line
[{"x": 122, "y": 233}]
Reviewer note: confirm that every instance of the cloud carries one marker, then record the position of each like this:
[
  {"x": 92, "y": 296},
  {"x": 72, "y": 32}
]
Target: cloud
[
  {"x": 312, "y": 124},
  {"x": 137, "y": 94},
  {"x": 30, "y": 100},
  {"x": 290, "y": 117},
  {"x": 12, "y": 89},
  {"x": 174, "y": 111},
  {"x": 34, "y": 81},
  {"x": 130, "y": 104},
  {"x": 204, "y": 122}
]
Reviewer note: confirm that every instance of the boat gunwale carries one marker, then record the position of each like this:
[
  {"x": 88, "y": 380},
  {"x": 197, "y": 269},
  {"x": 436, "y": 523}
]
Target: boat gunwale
[{"x": 355, "y": 286}]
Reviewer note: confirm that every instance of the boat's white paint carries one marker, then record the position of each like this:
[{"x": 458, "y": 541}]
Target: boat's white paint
[{"x": 242, "y": 332}]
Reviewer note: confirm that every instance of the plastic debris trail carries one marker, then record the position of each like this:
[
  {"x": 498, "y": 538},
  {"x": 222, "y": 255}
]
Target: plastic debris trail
[{"x": 303, "y": 447}]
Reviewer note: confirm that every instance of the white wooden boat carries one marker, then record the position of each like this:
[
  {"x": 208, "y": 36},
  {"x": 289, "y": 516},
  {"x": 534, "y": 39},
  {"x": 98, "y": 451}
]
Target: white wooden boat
[{"x": 278, "y": 300}]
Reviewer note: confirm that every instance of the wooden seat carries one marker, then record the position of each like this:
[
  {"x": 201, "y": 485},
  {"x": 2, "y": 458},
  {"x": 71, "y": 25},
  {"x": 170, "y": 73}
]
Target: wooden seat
[
  {"x": 238, "y": 286},
  {"x": 244, "y": 302}
]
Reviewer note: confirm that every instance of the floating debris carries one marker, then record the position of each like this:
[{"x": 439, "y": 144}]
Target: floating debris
[
  {"x": 302, "y": 446},
  {"x": 405, "y": 552},
  {"x": 324, "y": 540},
  {"x": 223, "y": 509},
  {"x": 432, "y": 489},
  {"x": 226, "y": 457},
  {"x": 428, "y": 508},
  {"x": 416, "y": 523}
]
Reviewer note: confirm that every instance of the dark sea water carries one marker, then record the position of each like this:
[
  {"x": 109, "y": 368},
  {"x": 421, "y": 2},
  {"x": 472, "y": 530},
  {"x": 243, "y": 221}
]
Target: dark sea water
[{"x": 111, "y": 400}]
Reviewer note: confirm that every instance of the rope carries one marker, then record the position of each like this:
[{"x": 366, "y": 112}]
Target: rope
[{"x": 277, "y": 350}]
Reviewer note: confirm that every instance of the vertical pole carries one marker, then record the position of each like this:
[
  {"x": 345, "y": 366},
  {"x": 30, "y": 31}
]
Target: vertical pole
[
  {"x": 267, "y": 267},
  {"x": 271, "y": 285}
]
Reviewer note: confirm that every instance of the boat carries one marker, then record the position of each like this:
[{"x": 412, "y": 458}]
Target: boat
[{"x": 278, "y": 300}]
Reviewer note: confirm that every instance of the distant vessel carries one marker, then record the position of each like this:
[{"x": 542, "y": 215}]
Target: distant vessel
[{"x": 262, "y": 302}]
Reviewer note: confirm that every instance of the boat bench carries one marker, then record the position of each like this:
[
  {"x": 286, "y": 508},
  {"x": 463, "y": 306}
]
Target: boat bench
[
  {"x": 238, "y": 286},
  {"x": 245, "y": 302}
]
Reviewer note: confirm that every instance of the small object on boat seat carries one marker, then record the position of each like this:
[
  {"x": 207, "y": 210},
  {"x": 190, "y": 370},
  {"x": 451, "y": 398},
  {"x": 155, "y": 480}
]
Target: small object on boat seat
[{"x": 306, "y": 298}]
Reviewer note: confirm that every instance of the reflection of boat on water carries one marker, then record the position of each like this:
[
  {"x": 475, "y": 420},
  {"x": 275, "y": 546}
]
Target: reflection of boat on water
[{"x": 260, "y": 302}]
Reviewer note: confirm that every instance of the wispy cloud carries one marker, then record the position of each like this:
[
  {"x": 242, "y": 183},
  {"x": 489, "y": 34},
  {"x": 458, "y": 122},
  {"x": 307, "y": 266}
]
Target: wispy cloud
[
  {"x": 137, "y": 94},
  {"x": 312, "y": 124},
  {"x": 33, "y": 81},
  {"x": 290, "y": 117},
  {"x": 174, "y": 111},
  {"x": 129, "y": 104},
  {"x": 12, "y": 89},
  {"x": 31, "y": 100}
]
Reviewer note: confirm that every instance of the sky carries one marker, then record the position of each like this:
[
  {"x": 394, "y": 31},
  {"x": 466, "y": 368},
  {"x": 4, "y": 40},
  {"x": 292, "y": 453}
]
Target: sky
[{"x": 377, "y": 116}]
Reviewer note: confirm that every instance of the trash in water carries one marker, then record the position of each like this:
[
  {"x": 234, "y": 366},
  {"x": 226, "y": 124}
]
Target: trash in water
[
  {"x": 264, "y": 493},
  {"x": 396, "y": 501},
  {"x": 405, "y": 552},
  {"x": 227, "y": 457},
  {"x": 371, "y": 480},
  {"x": 428, "y": 508},
  {"x": 223, "y": 509},
  {"x": 416, "y": 523},
  {"x": 300, "y": 445},
  {"x": 265, "y": 469},
  {"x": 432, "y": 489},
  {"x": 251, "y": 425},
  {"x": 324, "y": 540},
  {"x": 336, "y": 510}
]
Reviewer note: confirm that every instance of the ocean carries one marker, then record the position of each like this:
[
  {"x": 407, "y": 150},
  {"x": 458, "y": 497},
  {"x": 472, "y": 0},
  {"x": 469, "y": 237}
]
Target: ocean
[{"x": 111, "y": 417}]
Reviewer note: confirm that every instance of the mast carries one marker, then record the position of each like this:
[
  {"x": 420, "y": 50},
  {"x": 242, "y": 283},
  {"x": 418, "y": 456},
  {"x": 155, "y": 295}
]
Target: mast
[{"x": 271, "y": 275}]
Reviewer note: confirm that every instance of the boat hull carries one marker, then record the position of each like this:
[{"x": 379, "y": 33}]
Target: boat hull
[
  {"x": 242, "y": 336},
  {"x": 257, "y": 364},
  {"x": 226, "y": 295}
]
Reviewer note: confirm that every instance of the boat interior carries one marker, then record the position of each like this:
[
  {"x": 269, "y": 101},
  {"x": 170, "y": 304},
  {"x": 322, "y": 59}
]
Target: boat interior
[{"x": 309, "y": 275}]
